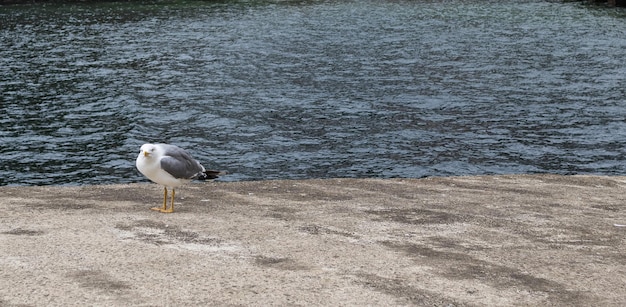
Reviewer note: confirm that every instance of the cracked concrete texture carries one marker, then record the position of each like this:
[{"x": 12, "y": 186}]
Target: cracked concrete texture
[{"x": 460, "y": 241}]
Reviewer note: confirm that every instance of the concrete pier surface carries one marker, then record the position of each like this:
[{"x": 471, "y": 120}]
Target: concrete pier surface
[{"x": 522, "y": 240}]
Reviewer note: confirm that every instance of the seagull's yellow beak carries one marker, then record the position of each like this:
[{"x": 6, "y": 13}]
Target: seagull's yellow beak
[{"x": 146, "y": 153}]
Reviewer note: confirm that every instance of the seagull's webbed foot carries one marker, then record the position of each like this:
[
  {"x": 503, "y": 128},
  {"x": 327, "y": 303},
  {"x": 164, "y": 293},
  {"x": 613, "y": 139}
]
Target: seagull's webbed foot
[{"x": 163, "y": 210}]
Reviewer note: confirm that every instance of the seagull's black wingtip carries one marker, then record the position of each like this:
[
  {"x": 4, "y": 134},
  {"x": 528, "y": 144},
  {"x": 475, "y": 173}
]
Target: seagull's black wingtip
[{"x": 210, "y": 174}]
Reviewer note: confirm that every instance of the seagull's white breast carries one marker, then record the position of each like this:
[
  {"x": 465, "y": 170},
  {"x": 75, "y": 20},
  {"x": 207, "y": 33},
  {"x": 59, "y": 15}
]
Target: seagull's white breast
[{"x": 150, "y": 167}]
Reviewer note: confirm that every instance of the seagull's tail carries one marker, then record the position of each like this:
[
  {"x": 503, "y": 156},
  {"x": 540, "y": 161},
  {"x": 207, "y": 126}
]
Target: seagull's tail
[{"x": 210, "y": 174}]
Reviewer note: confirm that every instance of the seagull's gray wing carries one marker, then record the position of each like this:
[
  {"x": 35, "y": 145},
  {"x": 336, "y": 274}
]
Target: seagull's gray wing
[{"x": 178, "y": 163}]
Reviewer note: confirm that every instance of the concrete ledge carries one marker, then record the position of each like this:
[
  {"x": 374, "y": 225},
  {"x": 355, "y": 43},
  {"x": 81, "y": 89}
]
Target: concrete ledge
[{"x": 485, "y": 241}]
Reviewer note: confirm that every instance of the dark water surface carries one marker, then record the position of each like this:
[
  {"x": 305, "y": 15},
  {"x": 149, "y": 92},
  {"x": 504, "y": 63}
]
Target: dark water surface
[{"x": 312, "y": 89}]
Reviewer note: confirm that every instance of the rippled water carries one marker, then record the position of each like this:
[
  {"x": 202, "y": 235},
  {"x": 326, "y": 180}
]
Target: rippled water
[{"x": 312, "y": 89}]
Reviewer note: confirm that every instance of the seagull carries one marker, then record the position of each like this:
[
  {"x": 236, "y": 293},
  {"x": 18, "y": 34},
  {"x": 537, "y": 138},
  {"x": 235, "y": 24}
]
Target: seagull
[{"x": 170, "y": 166}]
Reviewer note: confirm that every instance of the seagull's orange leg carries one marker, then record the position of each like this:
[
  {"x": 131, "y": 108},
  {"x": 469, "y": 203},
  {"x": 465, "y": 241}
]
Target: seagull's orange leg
[
  {"x": 172, "y": 206},
  {"x": 164, "y": 208},
  {"x": 171, "y": 209}
]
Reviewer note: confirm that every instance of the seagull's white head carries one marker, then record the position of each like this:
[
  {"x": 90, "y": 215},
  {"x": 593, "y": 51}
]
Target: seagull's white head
[{"x": 147, "y": 150}]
